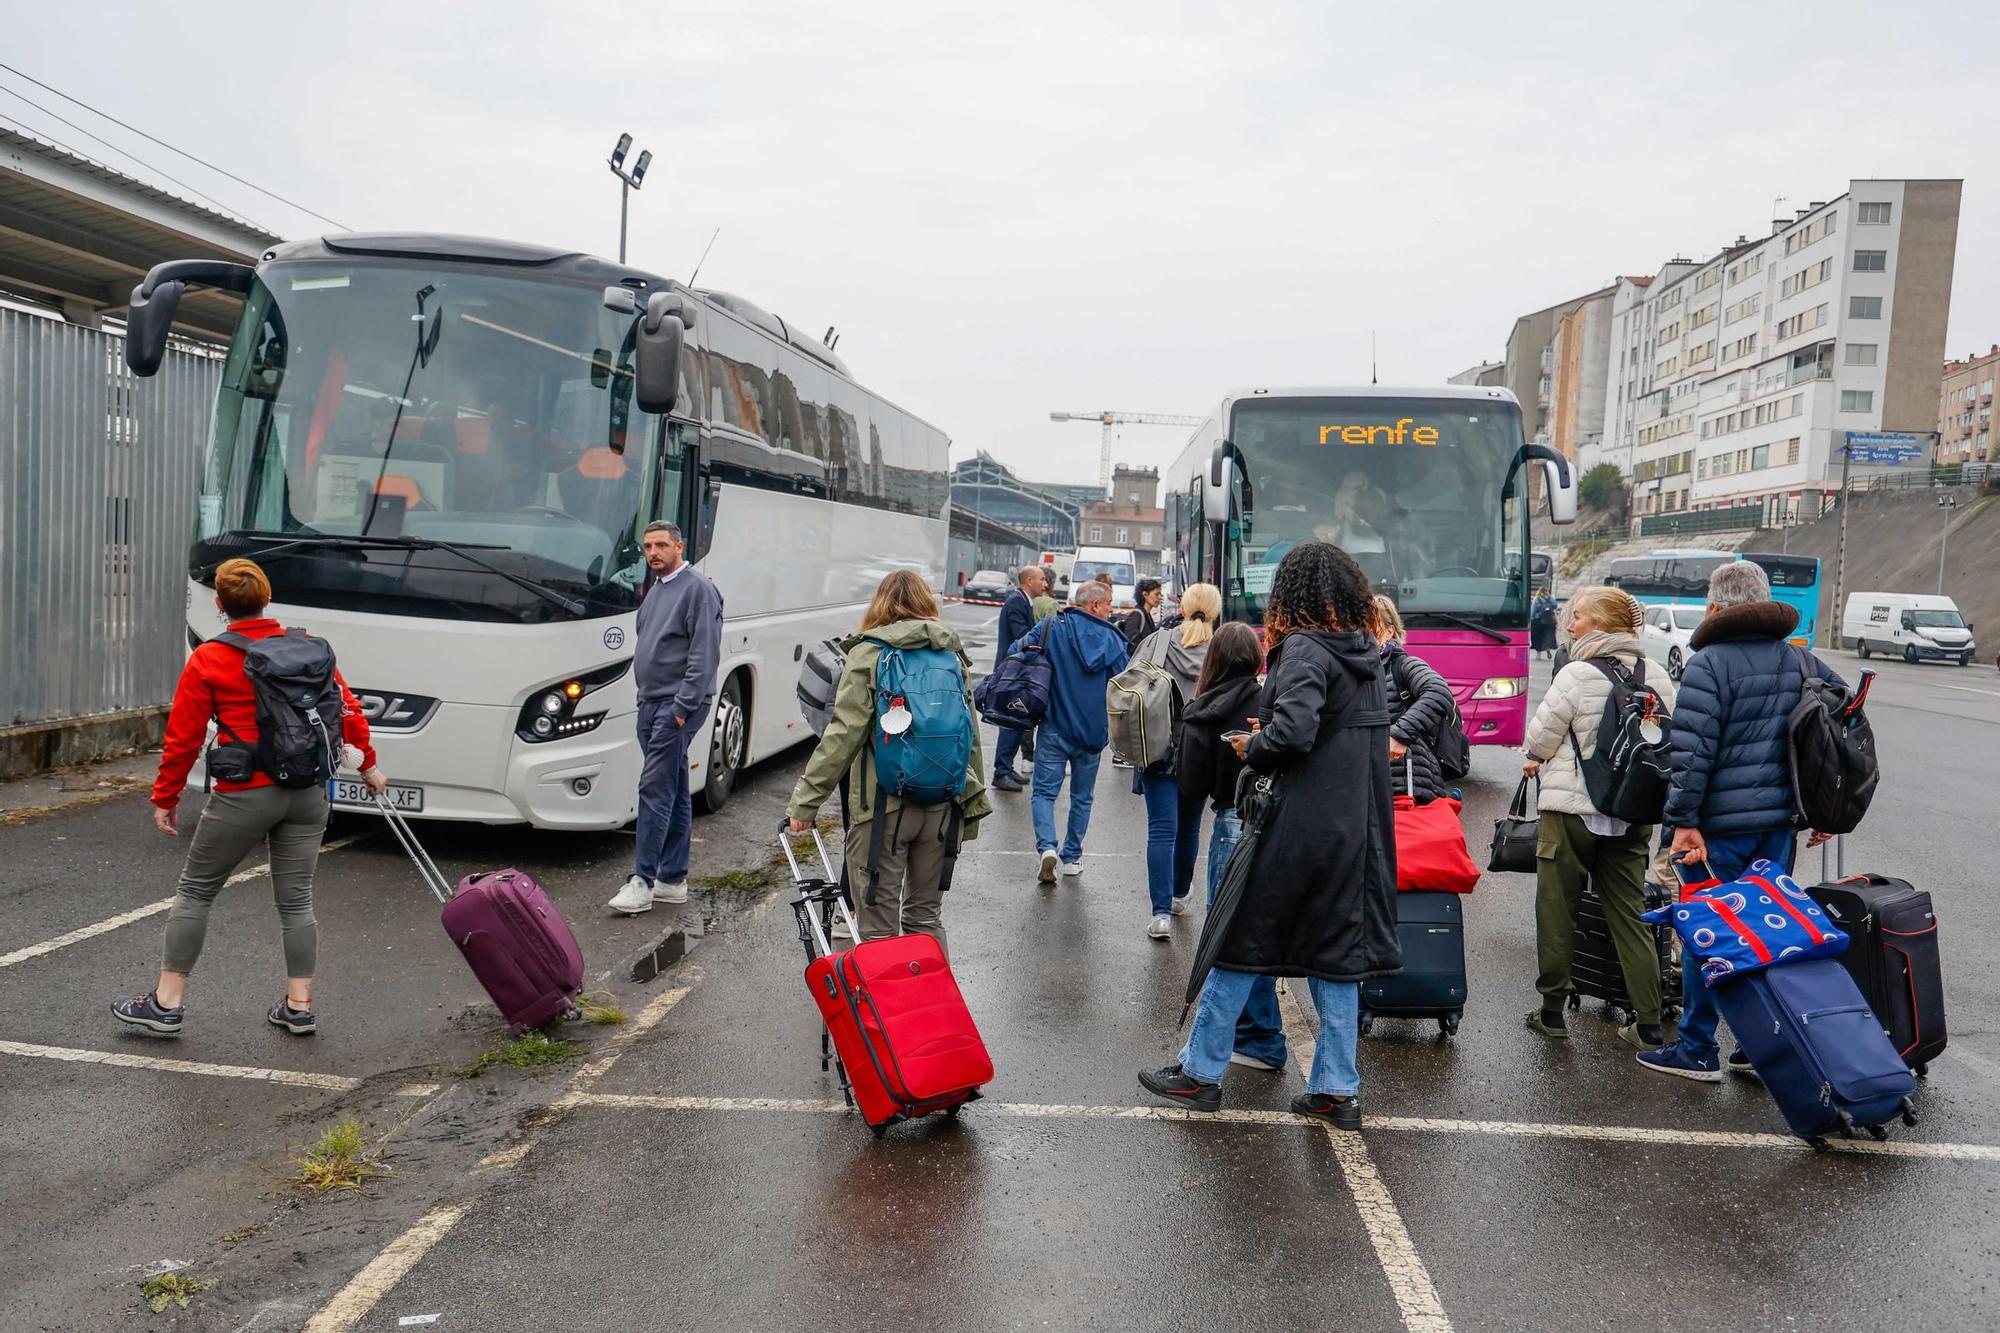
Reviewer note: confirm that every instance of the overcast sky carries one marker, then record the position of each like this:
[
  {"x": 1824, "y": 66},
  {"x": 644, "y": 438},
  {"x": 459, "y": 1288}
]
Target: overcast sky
[{"x": 1009, "y": 209}]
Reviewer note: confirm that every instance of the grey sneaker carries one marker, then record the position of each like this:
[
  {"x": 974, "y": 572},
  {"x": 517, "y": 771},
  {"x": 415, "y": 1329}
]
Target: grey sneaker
[
  {"x": 148, "y": 1014},
  {"x": 663, "y": 892},
  {"x": 635, "y": 897},
  {"x": 1162, "y": 927},
  {"x": 1072, "y": 868},
  {"x": 1180, "y": 906},
  {"x": 298, "y": 1022},
  {"x": 1252, "y": 1062}
]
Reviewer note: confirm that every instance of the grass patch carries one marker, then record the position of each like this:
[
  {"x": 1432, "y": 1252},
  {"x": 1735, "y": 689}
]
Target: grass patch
[
  {"x": 599, "y": 1007},
  {"x": 164, "y": 1289},
  {"x": 530, "y": 1050},
  {"x": 740, "y": 880},
  {"x": 339, "y": 1161}
]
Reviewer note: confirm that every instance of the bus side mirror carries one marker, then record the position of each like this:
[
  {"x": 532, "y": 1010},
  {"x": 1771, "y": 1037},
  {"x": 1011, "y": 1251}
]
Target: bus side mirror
[
  {"x": 1215, "y": 495},
  {"x": 1560, "y": 483},
  {"x": 150, "y": 313},
  {"x": 661, "y": 334}
]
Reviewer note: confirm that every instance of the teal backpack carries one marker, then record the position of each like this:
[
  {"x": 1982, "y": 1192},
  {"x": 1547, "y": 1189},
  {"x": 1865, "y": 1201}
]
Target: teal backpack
[{"x": 922, "y": 744}]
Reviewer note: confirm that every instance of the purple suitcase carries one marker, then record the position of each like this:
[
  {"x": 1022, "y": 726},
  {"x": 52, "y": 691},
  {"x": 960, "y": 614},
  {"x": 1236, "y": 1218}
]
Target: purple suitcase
[{"x": 512, "y": 936}]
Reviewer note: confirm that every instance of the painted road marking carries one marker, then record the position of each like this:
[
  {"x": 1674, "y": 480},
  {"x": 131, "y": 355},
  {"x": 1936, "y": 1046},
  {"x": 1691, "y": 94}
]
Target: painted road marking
[
  {"x": 297, "y": 1078},
  {"x": 112, "y": 923},
  {"x": 1967, "y": 689},
  {"x": 351, "y": 1304}
]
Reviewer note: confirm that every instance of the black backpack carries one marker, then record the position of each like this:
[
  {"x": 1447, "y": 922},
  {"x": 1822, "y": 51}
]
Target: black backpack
[
  {"x": 1452, "y": 750},
  {"x": 1834, "y": 770},
  {"x": 298, "y": 712},
  {"x": 1627, "y": 776}
]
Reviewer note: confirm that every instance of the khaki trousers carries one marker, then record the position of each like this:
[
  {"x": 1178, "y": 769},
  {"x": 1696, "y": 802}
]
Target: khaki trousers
[{"x": 908, "y": 900}]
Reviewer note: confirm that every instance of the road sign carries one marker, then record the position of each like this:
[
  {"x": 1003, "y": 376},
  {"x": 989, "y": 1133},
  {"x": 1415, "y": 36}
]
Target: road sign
[{"x": 1883, "y": 447}]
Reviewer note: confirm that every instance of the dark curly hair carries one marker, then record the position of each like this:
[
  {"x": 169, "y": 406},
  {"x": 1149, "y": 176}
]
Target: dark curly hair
[{"x": 1317, "y": 586}]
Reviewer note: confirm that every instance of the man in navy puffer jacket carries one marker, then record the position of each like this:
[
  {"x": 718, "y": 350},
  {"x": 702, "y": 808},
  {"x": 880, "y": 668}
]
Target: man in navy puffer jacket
[{"x": 1731, "y": 799}]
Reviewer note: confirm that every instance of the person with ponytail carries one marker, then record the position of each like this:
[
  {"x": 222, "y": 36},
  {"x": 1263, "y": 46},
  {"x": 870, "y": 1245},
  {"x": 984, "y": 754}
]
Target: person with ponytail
[{"x": 1173, "y": 820}]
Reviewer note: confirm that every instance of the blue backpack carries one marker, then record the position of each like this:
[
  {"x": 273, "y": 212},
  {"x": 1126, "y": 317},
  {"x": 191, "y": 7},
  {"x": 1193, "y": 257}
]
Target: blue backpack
[
  {"x": 1016, "y": 695},
  {"x": 922, "y": 744}
]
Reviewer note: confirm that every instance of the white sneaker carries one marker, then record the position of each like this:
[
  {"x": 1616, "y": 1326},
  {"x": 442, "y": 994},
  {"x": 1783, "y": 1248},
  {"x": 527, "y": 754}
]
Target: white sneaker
[
  {"x": 664, "y": 892},
  {"x": 634, "y": 898},
  {"x": 840, "y": 930},
  {"x": 1072, "y": 868},
  {"x": 1048, "y": 875},
  {"x": 1181, "y": 905},
  {"x": 1162, "y": 927},
  {"x": 1252, "y": 1062}
]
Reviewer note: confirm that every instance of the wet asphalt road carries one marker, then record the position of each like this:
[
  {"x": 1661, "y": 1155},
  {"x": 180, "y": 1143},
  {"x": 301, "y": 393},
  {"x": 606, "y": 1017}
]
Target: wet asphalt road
[{"x": 701, "y": 1180}]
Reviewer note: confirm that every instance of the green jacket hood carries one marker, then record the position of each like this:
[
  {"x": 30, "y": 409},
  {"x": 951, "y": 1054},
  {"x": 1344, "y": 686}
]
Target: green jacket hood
[{"x": 916, "y": 634}]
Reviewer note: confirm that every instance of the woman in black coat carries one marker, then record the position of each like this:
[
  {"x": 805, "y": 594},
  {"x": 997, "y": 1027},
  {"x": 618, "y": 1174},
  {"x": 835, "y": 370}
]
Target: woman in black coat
[
  {"x": 1320, "y": 902},
  {"x": 1420, "y": 708}
]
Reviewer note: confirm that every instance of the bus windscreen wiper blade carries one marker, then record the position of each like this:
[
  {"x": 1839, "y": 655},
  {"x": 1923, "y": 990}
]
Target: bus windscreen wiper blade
[
  {"x": 464, "y": 551},
  {"x": 1473, "y": 625},
  {"x": 280, "y": 543}
]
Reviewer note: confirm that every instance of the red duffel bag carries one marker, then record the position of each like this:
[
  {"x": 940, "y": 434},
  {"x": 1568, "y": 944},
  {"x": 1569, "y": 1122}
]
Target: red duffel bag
[{"x": 1431, "y": 855}]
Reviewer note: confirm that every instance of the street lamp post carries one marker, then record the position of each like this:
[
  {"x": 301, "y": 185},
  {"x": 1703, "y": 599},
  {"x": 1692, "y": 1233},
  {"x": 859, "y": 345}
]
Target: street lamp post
[
  {"x": 630, "y": 181},
  {"x": 1947, "y": 506}
]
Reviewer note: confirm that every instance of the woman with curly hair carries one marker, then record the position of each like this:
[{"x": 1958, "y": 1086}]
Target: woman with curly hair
[{"x": 1320, "y": 902}]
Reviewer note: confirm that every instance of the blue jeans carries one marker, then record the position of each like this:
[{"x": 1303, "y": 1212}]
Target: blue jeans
[
  {"x": 1056, "y": 757},
  {"x": 1173, "y": 836},
  {"x": 1260, "y": 1033},
  {"x": 1006, "y": 749},
  {"x": 1221, "y": 842},
  {"x": 1223, "y": 997},
  {"x": 1728, "y": 857},
  {"x": 666, "y": 810}
]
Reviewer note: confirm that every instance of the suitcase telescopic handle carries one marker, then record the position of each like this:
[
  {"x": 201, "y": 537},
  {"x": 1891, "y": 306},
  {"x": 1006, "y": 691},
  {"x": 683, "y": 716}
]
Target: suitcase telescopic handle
[
  {"x": 785, "y": 836},
  {"x": 427, "y": 870}
]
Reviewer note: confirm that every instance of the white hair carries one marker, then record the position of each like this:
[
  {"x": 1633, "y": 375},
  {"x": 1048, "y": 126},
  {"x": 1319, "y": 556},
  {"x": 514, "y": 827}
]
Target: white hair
[
  {"x": 1738, "y": 583},
  {"x": 1093, "y": 592}
]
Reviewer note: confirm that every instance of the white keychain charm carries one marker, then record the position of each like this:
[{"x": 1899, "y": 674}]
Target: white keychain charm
[{"x": 896, "y": 720}]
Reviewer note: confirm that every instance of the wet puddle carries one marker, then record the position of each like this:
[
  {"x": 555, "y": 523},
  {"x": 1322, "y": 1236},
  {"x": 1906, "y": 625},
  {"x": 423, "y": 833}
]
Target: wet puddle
[{"x": 669, "y": 949}]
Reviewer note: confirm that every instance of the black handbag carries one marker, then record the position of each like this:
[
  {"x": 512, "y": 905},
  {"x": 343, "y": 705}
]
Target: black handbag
[{"x": 1514, "y": 837}]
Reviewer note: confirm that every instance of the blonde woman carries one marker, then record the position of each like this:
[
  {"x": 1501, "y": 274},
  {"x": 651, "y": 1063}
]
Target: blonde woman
[
  {"x": 1173, "y": 821},
  {"x": 909, "y": 861},
  {"x": 1579, "y": 844}
]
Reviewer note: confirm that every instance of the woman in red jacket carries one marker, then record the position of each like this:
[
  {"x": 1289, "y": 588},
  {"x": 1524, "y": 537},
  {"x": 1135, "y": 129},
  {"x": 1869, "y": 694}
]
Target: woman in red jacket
[{"x": 239, "y": 816}]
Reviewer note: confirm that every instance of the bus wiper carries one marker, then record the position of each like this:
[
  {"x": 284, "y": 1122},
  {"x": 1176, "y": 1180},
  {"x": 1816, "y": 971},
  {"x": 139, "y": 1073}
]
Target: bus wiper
[
  {"x": 281, "y": 543},
  {"x": 464, "y": 551},
  {"x": 1461, "y": 621}
]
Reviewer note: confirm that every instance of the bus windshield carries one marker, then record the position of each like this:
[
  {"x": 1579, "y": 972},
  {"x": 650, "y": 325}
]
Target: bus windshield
[
  {"x": 1423, "y": 493},
  {"x": 370, "y": 404}
]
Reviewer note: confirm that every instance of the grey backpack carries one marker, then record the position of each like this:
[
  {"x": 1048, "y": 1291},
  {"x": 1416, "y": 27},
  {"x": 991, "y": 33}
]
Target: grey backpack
[
  {"x": 1143, "y": 705},
  {"x": 819, "y": 681}
]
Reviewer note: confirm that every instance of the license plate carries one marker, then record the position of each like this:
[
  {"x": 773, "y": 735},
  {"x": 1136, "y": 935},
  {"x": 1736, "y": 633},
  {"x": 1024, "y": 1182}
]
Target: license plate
[{"x": 350, "y": 791}]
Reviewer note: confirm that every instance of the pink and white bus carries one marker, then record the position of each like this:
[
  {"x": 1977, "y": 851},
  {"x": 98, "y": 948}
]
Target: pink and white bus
[{"x": 1426, "y": 487}]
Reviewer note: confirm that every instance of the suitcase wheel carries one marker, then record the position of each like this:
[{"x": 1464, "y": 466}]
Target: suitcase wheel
[
  {"x": 1909, "y": 1113},
  {"x": 1879, "y": 1132},
  {"x": 1575, "y": 1001},
  {"x": 1818, "y": 1144},
  {"x": 1365, "y": 1024},
  {"x": 1448, "y": 1024},
  {"x": 1922, "y": 1071},
  {"x": 951, "y": 1112},
  {"x": 878, "y": 1130}
]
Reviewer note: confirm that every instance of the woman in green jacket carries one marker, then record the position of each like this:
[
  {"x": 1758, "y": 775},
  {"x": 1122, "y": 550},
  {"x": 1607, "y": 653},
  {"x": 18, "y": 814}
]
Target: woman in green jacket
[{"x": 909, "y": 895}]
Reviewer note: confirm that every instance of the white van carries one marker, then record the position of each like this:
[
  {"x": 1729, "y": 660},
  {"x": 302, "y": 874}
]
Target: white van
[
  {"x": 1118, "y": 562},
  {"x": 1914, "y": 624}
]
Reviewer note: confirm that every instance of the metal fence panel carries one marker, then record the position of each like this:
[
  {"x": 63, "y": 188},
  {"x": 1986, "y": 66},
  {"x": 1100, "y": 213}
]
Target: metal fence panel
[{"x": 97, "y": 479}]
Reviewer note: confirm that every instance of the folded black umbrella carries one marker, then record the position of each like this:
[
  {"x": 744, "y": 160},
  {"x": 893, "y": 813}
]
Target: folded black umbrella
[{"x": 1256, "y": 799}]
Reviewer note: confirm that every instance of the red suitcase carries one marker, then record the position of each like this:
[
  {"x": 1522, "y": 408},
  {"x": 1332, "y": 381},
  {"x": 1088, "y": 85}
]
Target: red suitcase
[
  {"x": 512, "y": 936},
  {"x": 901, "y": 1036}
]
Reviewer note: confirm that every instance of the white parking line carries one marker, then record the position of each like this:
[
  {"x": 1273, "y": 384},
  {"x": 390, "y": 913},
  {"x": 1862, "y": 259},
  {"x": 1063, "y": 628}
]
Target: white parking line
[
  {"x": 351, "y": 1304},
  {"x": 297, "y": 1078},
  {"x": 112, "y": 923},
  {"x": 1967, "y": 689}
]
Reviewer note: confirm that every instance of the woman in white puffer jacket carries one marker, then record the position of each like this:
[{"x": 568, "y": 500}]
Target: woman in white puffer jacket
[{"x": 1578, "y": 844}]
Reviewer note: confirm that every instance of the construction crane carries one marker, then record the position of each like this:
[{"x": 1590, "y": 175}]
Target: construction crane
[{"x": 1111, "y": 419}]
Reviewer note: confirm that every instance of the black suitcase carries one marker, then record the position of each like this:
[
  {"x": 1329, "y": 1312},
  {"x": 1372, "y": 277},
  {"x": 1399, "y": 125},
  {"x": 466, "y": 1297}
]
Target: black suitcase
[
  {"x": 1431, "y": 929},
  {"x": 1893, "y": 958},
  {"x": 1596, "y": 975}
]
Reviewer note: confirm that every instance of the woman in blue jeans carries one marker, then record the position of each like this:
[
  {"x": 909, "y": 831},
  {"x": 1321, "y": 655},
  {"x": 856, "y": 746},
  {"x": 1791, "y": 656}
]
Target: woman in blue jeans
[
  {"x": 1319, "y": 901},
  {"x": 1173, "y": 822}
]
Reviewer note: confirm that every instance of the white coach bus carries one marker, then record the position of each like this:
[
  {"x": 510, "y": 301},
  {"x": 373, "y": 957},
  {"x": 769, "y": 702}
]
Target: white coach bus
[{"x": 444, "y": 452}]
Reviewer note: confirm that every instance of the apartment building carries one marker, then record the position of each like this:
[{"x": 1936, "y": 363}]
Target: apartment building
[
  {"x": 1131, "y": 517},
  {"x": 1735, "y": 380},
  {"x": 1965, "y": 409},
  {"x": 1485, "y": 373},
  {"x": 1531, "y": 363}
]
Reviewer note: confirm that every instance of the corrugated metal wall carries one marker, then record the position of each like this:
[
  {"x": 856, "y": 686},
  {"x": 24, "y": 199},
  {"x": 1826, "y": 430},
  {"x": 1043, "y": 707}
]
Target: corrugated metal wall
[{"x": 97, "y": 479}]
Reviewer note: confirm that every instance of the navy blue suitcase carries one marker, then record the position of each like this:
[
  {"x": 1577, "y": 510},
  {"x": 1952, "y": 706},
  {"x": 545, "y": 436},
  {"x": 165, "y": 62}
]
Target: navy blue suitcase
[
  {"x": 1819, "y": 1049},
  {"x": 1431, "y": 929}
]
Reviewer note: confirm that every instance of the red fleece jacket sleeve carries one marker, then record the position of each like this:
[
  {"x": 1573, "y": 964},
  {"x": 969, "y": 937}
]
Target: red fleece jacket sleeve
[
  {"x": 187, "y": 728},
  {"x": 354, "y": 724}
]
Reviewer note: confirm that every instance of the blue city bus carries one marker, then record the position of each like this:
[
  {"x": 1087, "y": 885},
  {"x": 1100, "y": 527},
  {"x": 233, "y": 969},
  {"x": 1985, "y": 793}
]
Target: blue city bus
[{"x": 1679, "y": 576}]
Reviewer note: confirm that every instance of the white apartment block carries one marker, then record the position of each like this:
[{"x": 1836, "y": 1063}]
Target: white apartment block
[{"x": 1735, "y": 381}]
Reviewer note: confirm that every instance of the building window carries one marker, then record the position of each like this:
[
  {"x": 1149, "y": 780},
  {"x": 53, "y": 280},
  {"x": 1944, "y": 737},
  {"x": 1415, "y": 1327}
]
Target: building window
[
  {"x": 1857, "y": 400},
  {"x": 1792, "y": 450},
  {"x": 1871, "y": 261},
  {"x": 1864, "y": 307},
  {"x": 1861, "y": 354},
  {"x": 1760, "y": 457},
  {"x": 1096, "y": 534},
  {"x": 1124, "y": 537},
  {"x": 1872, "y": 215},
  {"x": 1145, "y": 536}
]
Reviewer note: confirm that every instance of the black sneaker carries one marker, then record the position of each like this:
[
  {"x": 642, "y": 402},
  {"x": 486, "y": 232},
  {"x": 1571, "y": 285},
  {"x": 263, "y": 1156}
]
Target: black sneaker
[
  {"x": 1739, "y": 1063},
  {"x": 1340, "y": 1112},
  {"x": 1007, "y": 782},
  {"x": 1173, "y": 1084},
  {"x": 298, "y": 1022},
  {"x": 148, "y": 1014}
]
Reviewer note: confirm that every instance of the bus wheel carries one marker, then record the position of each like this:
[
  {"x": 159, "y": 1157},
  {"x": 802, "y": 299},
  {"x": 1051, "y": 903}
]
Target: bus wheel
[{"x": 729, "y": 744}]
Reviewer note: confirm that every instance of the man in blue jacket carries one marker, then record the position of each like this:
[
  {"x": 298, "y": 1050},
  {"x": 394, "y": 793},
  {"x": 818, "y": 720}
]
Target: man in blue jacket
[
  {"x": 1730, "y": 802},
  {"x": 1084, "y": 651},
  {"x": 1017, "y": 617}
]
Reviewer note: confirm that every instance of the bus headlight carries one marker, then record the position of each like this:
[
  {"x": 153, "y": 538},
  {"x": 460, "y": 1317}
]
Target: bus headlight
[
  {"x": 1501, "y": 687},
  {"x": 552, "y": 703},
  {"x": 551, "y": 710}
]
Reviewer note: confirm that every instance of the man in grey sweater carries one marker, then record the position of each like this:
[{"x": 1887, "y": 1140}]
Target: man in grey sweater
[{"x": 676, "y": 650}]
